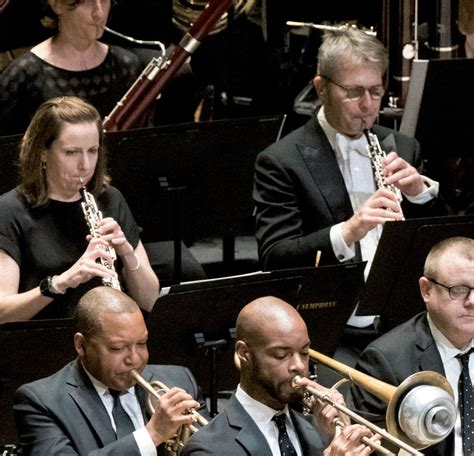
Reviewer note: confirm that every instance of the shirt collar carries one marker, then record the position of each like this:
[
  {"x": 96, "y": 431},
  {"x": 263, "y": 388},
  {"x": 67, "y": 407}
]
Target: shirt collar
[
  {"x": 259, "y": 412},
  {"x": 329, "y": 131},
  {"x": 446, "y": 349},
  {"x": 100, "y": 387},
  {"x": 336, "y": 139}
]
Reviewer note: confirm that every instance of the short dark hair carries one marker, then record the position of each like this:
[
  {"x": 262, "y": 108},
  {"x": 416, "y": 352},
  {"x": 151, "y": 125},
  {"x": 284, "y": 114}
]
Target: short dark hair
[{"x": 97, "y": 301}]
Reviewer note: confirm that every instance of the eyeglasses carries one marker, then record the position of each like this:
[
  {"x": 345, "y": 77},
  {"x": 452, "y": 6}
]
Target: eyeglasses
[
  {"x": 457, "y": 292},
  {"x": 355, "y": 93}
]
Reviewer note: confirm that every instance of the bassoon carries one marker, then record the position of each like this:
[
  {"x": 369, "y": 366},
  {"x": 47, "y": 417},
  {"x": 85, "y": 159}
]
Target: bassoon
[{"x": 159, "y": 71}]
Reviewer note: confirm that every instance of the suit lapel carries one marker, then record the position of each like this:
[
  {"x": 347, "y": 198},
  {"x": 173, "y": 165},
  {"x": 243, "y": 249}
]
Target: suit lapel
[
  {"x": 429, "y": 356},
  {"x": 85, "y": 396},
  {"x": 430, "y": 359},
  {"x": 322, "y": 165},
  {"x": 311, "y": 444},
  {"x": 249, "y": 436}
]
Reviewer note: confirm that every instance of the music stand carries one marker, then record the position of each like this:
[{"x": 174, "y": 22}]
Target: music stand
[
  {"x": 324, "y": 296},
  {"x": 438, "y": 114},
  {"x": 31, "y": 350},
  {"x": 392, "y": 285}
]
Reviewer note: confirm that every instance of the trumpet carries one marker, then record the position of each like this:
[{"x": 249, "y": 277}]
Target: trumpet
[
  {"x": 155, "y": 390},
  {"x": 423, "y": 403}
]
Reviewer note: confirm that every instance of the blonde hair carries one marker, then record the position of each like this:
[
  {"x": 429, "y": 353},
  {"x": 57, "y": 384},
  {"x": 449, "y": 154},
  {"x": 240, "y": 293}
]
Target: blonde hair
[{"x": 458, "y": 245}]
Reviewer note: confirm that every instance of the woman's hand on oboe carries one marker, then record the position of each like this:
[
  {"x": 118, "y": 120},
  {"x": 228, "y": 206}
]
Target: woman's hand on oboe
[
  {"x": 112, "y": 233},
  {"x": 87, "y": 266}
]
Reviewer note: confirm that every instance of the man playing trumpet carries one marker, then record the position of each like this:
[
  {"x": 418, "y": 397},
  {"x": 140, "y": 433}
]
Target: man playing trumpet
[
  {"x": 272, "y": 348},
  {"x": 91, "y": 406}
]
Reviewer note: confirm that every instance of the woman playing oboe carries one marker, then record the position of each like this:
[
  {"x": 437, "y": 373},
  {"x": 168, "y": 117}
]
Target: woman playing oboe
[{"x": 48, "y": 259}]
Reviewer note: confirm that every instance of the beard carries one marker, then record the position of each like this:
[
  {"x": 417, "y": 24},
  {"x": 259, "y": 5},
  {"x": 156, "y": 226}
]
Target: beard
[{"x": 278, "y": 392}]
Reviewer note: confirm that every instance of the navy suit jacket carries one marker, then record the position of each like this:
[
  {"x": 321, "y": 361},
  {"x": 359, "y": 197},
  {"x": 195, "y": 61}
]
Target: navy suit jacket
[
  {"x": 234, "y": 433},
  {"x": 393, "y": 357},
  {"x": 63, "y": 414},
  {"x": 300, "y": 194}
]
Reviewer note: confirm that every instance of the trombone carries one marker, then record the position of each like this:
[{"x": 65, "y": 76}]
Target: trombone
[
  {"x": 423, "y": 404},
  {"x": 155, "y": 390}
]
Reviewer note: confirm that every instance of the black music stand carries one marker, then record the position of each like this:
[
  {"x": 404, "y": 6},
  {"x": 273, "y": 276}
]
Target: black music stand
[
  {"x": 207, "y": 311},
  {"x": 30, "y": 350},
  {"x": 392, "y": 285},
  {"x": 208, "y": 168},
  {"x": 213, "y": 161},
  {"x": 438, "y": 114}
]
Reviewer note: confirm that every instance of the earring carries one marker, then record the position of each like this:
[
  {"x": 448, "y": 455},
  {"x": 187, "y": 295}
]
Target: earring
[{"x": 43, "y": 165}]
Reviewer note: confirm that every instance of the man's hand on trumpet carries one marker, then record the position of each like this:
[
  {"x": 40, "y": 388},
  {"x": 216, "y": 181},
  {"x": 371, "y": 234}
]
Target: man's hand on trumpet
[
  {"x": 346, "y": 438},
  {"x": 348, "y": 441},
  {"x": 171, "y": 412},
  {"x": 323, "y": 413}
]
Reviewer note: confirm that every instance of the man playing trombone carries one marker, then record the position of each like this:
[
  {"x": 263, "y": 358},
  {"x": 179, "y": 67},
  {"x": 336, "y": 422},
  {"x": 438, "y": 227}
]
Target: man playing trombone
[
  {"x": 272, "y": 348},
  {"x": 92, "y": 406}
]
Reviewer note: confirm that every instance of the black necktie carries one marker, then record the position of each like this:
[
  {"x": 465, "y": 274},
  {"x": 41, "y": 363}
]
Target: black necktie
[
  {"x": 466, "y": 405},
  {"x": 286, "y": 447},
  {"x": 123, "y": 422}
]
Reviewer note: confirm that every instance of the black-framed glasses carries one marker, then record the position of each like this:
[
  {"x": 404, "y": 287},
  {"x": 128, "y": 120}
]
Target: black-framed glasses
[
  {"x": 355, "y": 93},
  {"x": 457, "y": 292}
]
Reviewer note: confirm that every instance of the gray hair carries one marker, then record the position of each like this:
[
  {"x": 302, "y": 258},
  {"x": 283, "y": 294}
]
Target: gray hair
[{"x": 350, "y": 47}]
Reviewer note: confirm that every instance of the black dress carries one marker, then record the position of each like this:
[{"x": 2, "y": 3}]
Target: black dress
[
  {"x": 49, "y": 239},
  {"x": 29, "y": 81}
]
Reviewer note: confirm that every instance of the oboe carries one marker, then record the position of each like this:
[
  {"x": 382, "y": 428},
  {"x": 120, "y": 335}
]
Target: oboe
[
  {"x": 377, "y": 155},
  {"x": 93, "y": 216}
]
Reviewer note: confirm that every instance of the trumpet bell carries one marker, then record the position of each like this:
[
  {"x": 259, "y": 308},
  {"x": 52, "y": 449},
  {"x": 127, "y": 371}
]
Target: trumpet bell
[{"x": 422, "y": 411}]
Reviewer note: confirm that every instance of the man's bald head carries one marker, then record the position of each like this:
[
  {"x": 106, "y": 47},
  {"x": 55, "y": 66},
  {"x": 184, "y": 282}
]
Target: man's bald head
[
  {"x": 271, "y": 348},
  {"x": 263, "y": 314},
  {"x": 97, "y": 301}
]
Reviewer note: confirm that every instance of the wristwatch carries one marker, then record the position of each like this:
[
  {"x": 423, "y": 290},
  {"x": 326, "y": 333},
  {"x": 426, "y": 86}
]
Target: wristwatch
[{"x": 47, "y": 289}]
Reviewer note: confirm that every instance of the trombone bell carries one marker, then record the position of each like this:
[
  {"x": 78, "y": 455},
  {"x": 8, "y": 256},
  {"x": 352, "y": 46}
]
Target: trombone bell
[
  {"x": 421, "y": 411},
  {"x": 425, "y": 409}
]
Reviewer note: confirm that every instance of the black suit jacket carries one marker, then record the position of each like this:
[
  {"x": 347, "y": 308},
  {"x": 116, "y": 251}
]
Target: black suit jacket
[
  {"x": 300, "y": 194},
  {"x": 234, "y": 433},
  {"x": 393, "y": 357},
  {"x": 63, "y": 414}
]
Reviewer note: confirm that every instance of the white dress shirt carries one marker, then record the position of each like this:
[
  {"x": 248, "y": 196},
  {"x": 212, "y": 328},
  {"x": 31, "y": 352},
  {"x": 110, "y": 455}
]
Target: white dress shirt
[
  {"x": 452, "y": 369},
  {"x": 262, "y": 415},
  {"x": 356, "y": 168},
  {"x": 132, "y": 407}
]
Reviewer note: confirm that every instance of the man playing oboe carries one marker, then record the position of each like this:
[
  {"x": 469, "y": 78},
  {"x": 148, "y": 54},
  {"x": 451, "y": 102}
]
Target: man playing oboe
[{"x": 315, "y": 190}]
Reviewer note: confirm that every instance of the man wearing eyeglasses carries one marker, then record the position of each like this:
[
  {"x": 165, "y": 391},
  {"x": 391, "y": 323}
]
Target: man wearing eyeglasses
[
  {"x": 315, "y": 189},
  {"x": 439, "y": 340}
]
